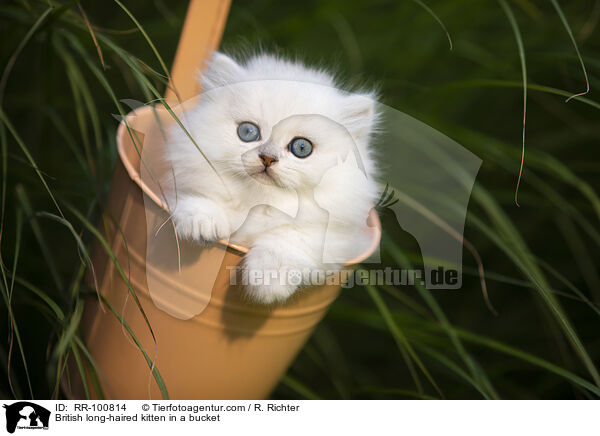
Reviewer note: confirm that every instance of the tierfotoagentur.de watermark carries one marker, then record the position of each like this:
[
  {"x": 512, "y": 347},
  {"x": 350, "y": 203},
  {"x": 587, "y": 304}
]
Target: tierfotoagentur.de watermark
[{"x": 346, "y": 278}]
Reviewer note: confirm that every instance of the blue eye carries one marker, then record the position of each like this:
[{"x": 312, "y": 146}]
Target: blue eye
[
  {"x": 301, "y": 147},
  {"x": 248, "y": 131}
]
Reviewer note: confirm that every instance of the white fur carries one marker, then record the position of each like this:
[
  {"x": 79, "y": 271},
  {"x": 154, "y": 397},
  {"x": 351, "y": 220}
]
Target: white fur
[{"x": 282, "y": 216}]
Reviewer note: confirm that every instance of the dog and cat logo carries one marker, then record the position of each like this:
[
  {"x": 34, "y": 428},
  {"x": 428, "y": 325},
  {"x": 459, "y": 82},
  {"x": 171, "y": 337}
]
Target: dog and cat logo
[{"x": 26, "y": 415}]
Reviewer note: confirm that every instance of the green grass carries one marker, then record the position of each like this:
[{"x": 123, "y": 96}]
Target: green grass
[{"x": 67, "y": 66}]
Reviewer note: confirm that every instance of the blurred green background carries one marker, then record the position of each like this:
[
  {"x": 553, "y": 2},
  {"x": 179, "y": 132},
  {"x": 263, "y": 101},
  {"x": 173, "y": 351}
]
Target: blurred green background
[{"x": 541, "y": 259}]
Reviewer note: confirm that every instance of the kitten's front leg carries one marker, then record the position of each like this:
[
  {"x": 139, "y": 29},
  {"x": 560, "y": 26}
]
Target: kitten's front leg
[
  {"x": 278, "y": 264},
  {"x": 200, "y": 219}
]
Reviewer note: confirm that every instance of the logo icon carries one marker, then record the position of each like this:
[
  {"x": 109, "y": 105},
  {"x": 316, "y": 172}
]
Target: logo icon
[{"x": 26, "y": 415}]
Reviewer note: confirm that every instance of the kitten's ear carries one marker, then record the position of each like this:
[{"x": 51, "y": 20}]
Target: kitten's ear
[
  {"x": 221, "y": 70},
  {"x": 360, "y": 116}
]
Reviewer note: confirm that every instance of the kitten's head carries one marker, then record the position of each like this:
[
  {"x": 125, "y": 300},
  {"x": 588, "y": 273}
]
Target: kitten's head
[{"x": 279, "y": 122}]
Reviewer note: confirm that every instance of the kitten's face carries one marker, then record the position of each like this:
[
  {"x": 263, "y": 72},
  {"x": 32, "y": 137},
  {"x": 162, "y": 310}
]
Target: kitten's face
[
  {"x": 298, "y": 153},
  {"x": 277, "y": 132},
  {"x": 276, "y": 122}
]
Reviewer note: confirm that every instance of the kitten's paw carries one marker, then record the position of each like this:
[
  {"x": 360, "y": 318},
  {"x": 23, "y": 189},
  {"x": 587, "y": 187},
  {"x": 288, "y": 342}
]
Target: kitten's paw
[
  {"x": 267, "y": 281},
  {"x": 201, "y": 225},
  {"x": 270, "y": 294}
]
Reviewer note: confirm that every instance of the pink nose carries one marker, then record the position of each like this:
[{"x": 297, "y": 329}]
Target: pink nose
[{"x": 267, "y": 160}]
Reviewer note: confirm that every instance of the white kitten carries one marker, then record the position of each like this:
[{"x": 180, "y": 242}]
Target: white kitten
[{"x": 293, "y": 161}]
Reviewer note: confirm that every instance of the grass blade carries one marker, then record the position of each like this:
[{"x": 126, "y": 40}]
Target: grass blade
[
  {"x": 17, "y": 52},
  {"x": 299, "y": 388},
  {"x": 399, "y": 337},
  {"x": 151, "y": 364},
  {"x": 568, "y": 29},
  {"x": 23, "y": 199},
  {"x": 515, "y": 27},
  {"x": 32, "y": 162}
]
